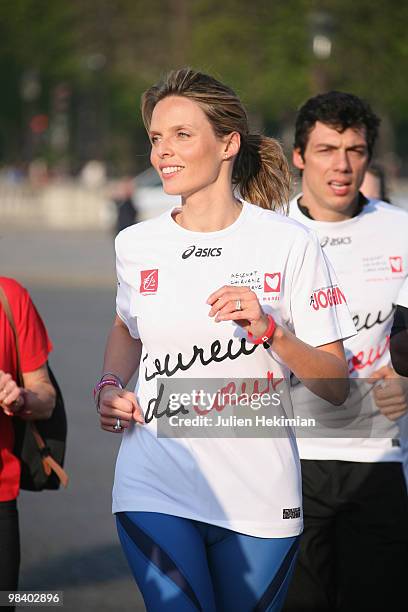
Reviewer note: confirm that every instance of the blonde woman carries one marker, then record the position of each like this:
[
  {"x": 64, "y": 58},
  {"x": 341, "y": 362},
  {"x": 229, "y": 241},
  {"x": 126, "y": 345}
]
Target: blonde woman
[{"x": 219, "y": 288}]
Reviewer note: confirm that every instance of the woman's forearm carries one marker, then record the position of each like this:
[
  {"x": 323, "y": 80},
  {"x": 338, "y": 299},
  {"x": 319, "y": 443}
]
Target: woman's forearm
[
  {"x": 122, "y": 353},
  {"x": 323, "y": 370}
]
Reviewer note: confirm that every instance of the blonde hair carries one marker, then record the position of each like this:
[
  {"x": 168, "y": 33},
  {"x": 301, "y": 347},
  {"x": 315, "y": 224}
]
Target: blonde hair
[{"x": 261, "y": 171}]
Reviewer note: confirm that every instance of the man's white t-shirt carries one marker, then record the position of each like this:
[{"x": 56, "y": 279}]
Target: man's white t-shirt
[
  {"x": 369, "y": 254},
  {"x": 165, "y": 276},
  {"x": 402, "y": 299}
]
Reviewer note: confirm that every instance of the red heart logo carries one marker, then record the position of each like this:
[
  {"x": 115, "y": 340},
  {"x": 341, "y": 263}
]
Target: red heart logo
[
  {"x": 272, "y": 282},
  {"x": 396, "y": 264}
]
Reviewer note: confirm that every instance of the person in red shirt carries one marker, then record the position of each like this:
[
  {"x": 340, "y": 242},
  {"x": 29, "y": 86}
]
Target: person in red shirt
[{"x": 36, "y": 400}]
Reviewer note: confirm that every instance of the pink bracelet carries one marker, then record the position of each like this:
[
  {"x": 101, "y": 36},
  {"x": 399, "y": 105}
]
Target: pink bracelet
[
  {"x": 104, "y": 383},
  {"x": 112, "y": 375}
]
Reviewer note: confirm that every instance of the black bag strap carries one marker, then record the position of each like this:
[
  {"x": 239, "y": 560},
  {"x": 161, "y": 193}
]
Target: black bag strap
[{"x": 49, "y": 463}]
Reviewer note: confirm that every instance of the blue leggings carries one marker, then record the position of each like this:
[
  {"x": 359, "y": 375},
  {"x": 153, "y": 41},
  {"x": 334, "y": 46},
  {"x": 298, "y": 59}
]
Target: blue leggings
[{"x": 182, "y": 565}]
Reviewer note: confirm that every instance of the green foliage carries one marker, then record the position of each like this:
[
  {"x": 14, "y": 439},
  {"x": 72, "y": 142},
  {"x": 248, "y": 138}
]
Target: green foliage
[
  {"x": 370, "y": 55},
  {"x": 109, "y": 51},
  {"x": 261, "y": 49}
]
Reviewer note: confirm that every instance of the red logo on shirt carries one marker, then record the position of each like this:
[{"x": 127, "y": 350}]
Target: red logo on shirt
[
  {"x": 396, "y": 264},
  {"x": 326, "y": 298},
  {"x": 149, "y": 281},
  {"x": 272, "y": 282}
]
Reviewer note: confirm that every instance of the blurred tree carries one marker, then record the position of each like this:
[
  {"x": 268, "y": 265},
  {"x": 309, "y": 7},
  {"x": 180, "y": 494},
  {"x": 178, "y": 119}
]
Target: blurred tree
[
  {"x": 259, "y": 47},
  {"x": 108, "y": 51},
  {"x": 370, "y": 52},
  {"x": 370, "y": 59},
  {"x": 36, "y": 50}
]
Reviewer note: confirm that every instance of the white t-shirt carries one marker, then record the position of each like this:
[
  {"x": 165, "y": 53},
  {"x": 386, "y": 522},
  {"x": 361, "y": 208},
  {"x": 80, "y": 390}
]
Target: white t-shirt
[
  {"x": 402, "y": 299},
  {"x": 369, "y": 254},
  {"x": 165, "y": 275}
]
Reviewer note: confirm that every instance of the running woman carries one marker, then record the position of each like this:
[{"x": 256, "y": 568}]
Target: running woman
[
  {"x": 216, "y": 289},
  {"x": 353, "y": 553}
]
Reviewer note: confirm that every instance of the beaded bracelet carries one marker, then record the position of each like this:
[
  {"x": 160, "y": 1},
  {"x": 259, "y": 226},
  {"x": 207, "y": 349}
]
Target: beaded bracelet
[
  {"x": 112, "y": 375},
  {"x": 104, "y": 383}
]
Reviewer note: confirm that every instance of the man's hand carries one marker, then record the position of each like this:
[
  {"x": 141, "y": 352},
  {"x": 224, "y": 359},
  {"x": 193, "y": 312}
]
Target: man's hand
[
  {"x": 391, "y": 394},
  {"x": 34, "y": 401}
]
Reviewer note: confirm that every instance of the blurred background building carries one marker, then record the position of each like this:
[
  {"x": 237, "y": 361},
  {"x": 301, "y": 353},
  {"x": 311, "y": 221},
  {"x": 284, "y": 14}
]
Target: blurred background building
[
  {"x": 74, "y": 160},
  {"x": 72, "y": 74}
]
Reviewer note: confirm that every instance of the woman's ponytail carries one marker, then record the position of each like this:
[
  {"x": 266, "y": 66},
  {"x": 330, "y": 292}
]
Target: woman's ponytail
[{"x": 261, "y": 172}]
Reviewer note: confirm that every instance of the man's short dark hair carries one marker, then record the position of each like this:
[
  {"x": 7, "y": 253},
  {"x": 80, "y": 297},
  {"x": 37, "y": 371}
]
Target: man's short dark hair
[{"x": 338, "y": 110}]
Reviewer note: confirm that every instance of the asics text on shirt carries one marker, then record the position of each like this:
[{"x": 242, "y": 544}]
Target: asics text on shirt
[{"x": 199, "y": 252}]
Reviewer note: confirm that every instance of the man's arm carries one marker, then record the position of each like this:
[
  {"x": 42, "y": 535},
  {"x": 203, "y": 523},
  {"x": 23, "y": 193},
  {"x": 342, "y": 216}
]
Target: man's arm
[
  {"x": 399, "y": 341},
  {"x": 36, "y": 400}
]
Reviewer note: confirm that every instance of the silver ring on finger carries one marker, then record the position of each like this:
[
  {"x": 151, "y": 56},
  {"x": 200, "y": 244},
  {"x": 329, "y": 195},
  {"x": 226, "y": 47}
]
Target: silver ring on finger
[
  {"x": 238, "y": 305},
  {"x": 117, "y": 426}
]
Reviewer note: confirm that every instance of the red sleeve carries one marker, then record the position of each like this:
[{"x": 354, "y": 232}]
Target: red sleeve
[{"x": 33, "y": 339}]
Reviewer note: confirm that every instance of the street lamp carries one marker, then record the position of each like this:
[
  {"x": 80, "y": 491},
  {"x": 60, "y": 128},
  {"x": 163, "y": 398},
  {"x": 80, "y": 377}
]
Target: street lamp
[{"x": 321, "y": 26}]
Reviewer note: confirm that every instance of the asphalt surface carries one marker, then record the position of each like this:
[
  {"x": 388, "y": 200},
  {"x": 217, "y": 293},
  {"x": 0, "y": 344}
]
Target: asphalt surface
[{"x": 69, "y": 540}]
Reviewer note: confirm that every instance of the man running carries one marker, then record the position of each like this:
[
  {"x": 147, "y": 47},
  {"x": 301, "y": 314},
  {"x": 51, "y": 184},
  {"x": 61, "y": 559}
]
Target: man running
[{"x": 354, "y": 548}]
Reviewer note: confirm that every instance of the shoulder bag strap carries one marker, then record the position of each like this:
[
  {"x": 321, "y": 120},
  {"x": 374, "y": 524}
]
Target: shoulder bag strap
[{"x": 6, "y": 306}]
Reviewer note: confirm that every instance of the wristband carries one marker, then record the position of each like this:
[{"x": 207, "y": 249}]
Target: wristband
[
  {"x": 112, "y": 375},
  {"x": 104, "y": 383},
  {"x": 270, "y": 330}
]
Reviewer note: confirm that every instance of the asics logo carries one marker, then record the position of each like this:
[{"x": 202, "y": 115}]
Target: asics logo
[
  {"x": 198, "y": 252},
  {"x": 327, "y": 241}
]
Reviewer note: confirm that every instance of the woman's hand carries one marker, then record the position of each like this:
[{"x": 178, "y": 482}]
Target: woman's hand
[
  {"x": 239, "y": 304},
  {"x": 322, "y": 369},
  {"x": 11, "y": 395},
  {"x": 114, "y": 404}
]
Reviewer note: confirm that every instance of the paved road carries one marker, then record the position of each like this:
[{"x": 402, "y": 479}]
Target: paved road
[
  {"x": 63, "y": 259},
  {"x": 69, "y": 540}
]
